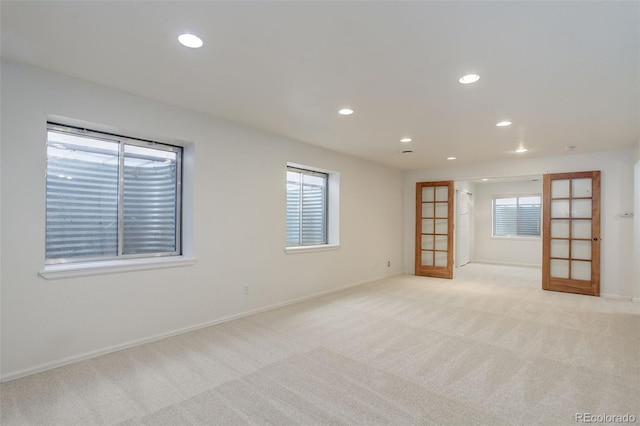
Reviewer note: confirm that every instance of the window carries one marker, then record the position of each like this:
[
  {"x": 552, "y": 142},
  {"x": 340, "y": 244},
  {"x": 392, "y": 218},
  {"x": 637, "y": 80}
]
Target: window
[
  {"x": 517, "y": 216},
  {"x": 306, "y": 207},
  {"x": 110, "y": 197}
]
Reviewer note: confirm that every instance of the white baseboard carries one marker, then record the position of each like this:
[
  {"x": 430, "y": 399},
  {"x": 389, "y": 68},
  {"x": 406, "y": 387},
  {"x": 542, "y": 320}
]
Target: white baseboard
[{"x": 92, "y": 354}]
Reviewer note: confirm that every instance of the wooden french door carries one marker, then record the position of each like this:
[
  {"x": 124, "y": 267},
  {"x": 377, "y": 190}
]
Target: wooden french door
[
  {"x": 434, "y": 229},
  {"x": 571, "y": 233}
]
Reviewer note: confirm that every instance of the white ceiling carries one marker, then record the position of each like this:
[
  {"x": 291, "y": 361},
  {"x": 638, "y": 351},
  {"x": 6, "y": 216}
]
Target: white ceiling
[{"x": 565, "y": 73}]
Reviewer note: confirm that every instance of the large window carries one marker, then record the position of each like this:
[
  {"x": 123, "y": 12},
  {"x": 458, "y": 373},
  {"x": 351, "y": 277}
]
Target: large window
[
  {"x": 306, "y": 207},
  {"x": 110, "y": 197},
  {"x": 517, "y": 216}
]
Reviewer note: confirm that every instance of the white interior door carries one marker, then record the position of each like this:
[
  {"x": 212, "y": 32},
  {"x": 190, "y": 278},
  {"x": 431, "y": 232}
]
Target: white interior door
[{"x": 463, "y": 229}]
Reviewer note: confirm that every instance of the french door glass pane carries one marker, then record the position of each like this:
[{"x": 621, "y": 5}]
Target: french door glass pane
[
  {"x": 581, "y": 208},
  {"x": 559, "y": 228},
  {"x": 427, "y": 209},
  {"x": 441, "y": 258},
  {"x": 441, "y": 242},
  {"x": 427, "y": 194},
  {"x": 581, "y": 229},
  {"x": 427, "y": 226},
  {"x": 427, "y": 242},
  {"x": 581, "y": 188},
  {"x": 559, "y": 208},
  {"x": 559, "y": 268},
  {"x": 560, "y": 248},
  {"x": 427, "y": 258},
  {"x": 581, "y": 250},
  {"x": 580, "y": 270},
  {"x": 560, "y": 188}
]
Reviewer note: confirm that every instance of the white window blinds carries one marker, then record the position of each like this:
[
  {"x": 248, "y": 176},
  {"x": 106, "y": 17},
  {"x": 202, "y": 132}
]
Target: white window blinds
[
  {"x": 516, "y": 216},
  {"x": 306, "y": 207},
  {"x": 109, "y": 196}
]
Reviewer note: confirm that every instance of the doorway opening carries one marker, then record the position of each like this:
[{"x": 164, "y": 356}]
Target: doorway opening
[{"x": 484, "y": 202}]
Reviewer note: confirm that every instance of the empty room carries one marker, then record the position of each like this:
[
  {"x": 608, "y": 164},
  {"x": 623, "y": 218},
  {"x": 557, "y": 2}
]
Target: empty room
[{"x": 322, "y": 212}]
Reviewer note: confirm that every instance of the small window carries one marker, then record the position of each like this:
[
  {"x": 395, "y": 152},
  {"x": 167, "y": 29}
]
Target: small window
[
  {"x": 306, "y": 207},
  {"x": 110, "y": 197},
  {"x": 517, "y": 216}
]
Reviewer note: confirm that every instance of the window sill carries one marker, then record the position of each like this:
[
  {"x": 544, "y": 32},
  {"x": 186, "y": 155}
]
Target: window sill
[
  {"x": 71, "y": 270},
  {"x": 311, "y": 249}
]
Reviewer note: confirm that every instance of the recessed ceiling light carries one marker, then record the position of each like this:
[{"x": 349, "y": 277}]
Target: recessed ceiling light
[
  {"x": 521, "y": 150},
  {"x": 485, "y": 179},
  {"x": 469, "y": 78},
  {"x": 405, "y": 140},
  {"x": 451, "y": 158},
  {"x": 346, "y": 111},
  {"x": 503, "y": 123},
  {"x": 190, "y": 40}
]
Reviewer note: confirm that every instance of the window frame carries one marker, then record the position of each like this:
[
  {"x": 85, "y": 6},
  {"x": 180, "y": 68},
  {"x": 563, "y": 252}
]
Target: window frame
[
  {"x": 516, "y": 236},
  {"x": 325, "y": 210},
  {"x": 332, "y": 212},
  {"x": 136, "y": 260}
]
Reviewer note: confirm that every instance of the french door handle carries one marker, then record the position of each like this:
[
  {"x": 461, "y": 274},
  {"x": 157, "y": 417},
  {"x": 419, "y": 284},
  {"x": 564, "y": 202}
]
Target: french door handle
[{"x": 596, "y": 239}]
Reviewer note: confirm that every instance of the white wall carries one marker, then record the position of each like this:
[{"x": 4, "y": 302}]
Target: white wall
[
  {"x": 469, "y": 187},
  {"x": 617, "y": 259},
  {"x": 239, "y": 227},
  {"x": 636, "y": 212},
  {"x": 513, "y": 251}
]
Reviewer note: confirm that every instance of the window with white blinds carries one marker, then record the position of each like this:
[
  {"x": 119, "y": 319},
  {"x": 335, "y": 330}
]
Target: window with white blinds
[
  {"x": 306, "y": 207},
  {"x": 110, "y": 197},
  {"x": 516, "y": 216}
]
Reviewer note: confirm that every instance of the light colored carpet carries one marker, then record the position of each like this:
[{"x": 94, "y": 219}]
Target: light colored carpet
[{"x": 489, "y": 347}]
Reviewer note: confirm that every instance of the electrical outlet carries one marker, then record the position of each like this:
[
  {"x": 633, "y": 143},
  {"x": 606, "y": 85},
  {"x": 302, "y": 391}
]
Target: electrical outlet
[
  {"x": 388, "y": 264},
  {"x": 246, "y": 289}
]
